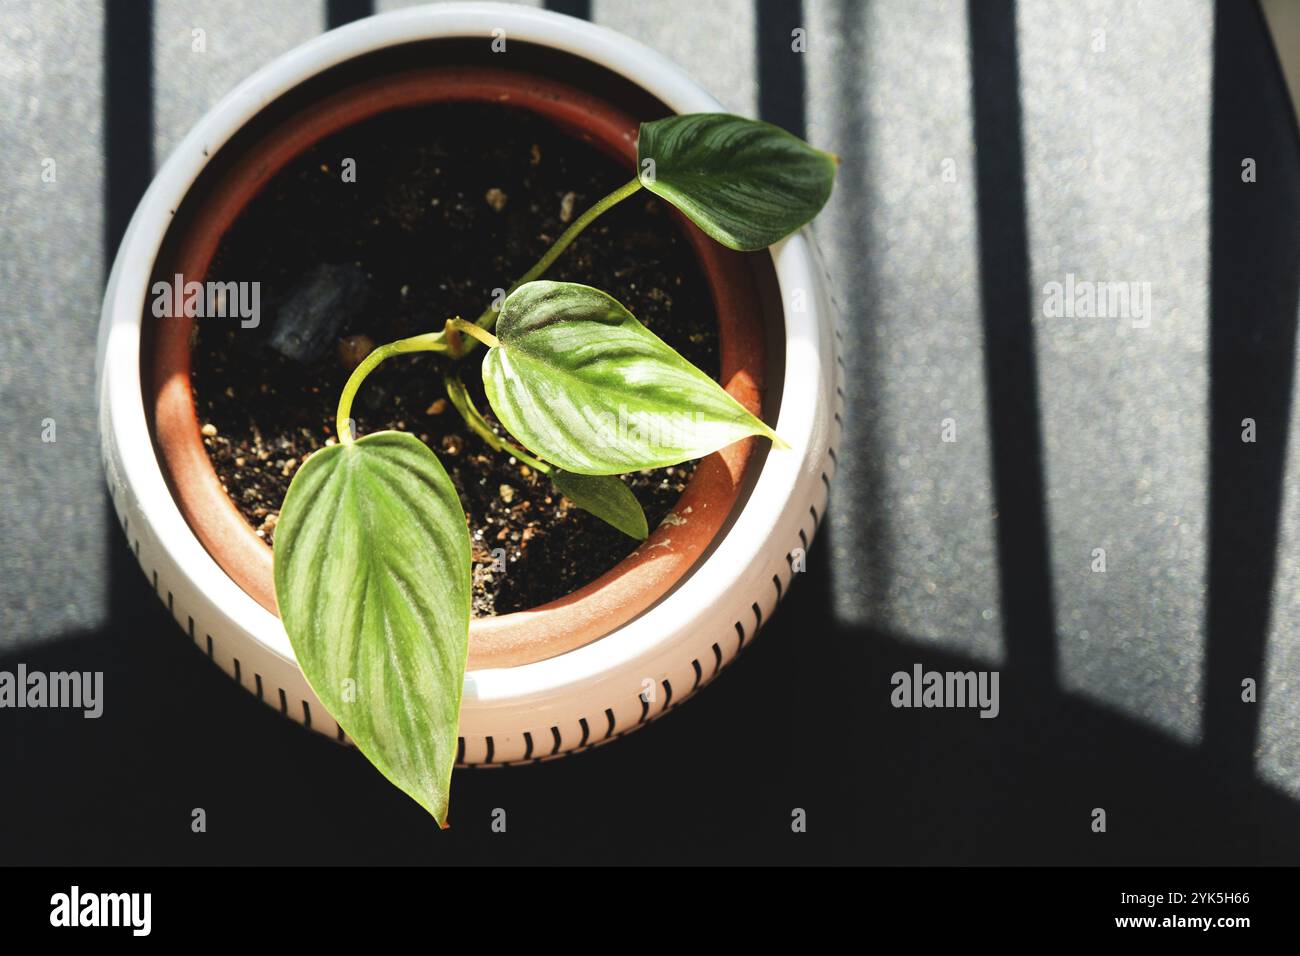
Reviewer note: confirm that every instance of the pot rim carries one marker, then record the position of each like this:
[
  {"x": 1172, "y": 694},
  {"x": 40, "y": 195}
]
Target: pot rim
[
  {"x": 630, "y": 585},
  {"x": 804, "y": 421}
]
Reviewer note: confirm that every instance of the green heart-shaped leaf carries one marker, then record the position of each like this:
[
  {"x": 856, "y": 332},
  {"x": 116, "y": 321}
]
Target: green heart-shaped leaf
[
  {"x": 372, "y": 575},
  {"x": 744, "y": 182},
  {"x": 607, "y": 497},
  {"x": 581, "y": 382}
]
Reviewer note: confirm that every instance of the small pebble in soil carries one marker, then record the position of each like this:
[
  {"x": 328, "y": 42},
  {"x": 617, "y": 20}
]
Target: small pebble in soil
[
  {"x": 496, "y": 199},
  {"x": 437, "y": 408},
  {"x": 353, "y": 349},
  {"x": 566, "y": 205},
  {"x": 209, "y": 430}
]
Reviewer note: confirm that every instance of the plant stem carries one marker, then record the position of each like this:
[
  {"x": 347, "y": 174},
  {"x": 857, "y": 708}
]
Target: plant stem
[
  {"x": 488, "y": 319},
  {"x": 470, "y": 328},
  {"x": 448, "y": 340},
  {"x": 428, "y": 342},
  {"x": 478, "y": 424}
]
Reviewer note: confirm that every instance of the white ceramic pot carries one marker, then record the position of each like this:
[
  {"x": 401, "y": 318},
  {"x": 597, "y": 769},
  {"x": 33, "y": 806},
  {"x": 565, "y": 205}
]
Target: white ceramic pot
[{"x": 581, "y": 698}]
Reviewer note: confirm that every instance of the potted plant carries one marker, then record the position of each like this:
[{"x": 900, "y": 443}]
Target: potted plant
[{"x": 372, "y": 570}]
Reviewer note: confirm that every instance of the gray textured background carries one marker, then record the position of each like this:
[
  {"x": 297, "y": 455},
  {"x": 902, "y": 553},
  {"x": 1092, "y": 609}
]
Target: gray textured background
[{"x": 1117, "y": 167}]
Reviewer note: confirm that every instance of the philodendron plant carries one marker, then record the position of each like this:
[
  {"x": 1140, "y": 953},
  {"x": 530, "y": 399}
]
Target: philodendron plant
[{"x": 372, "y": 550}]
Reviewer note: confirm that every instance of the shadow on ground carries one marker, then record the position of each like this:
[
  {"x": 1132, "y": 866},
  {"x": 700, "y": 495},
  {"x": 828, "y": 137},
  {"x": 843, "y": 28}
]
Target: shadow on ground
[{"x": 801, "y": 720}]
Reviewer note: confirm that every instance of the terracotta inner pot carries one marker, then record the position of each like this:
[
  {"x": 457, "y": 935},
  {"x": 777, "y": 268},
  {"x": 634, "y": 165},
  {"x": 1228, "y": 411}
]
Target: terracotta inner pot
[{"x": 506, "y": 640}]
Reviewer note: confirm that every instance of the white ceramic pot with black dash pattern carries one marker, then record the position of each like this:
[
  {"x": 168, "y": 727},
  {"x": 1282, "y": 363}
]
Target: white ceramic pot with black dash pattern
[{"x": 582, "y": 697}]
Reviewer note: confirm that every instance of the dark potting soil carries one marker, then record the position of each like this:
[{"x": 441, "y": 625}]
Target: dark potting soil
[{"x": 449, "y": 203}]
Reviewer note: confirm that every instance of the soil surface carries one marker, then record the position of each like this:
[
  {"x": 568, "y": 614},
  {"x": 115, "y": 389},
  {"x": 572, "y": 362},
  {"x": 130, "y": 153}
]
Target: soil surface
[{"x": 449, "y": 203}]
